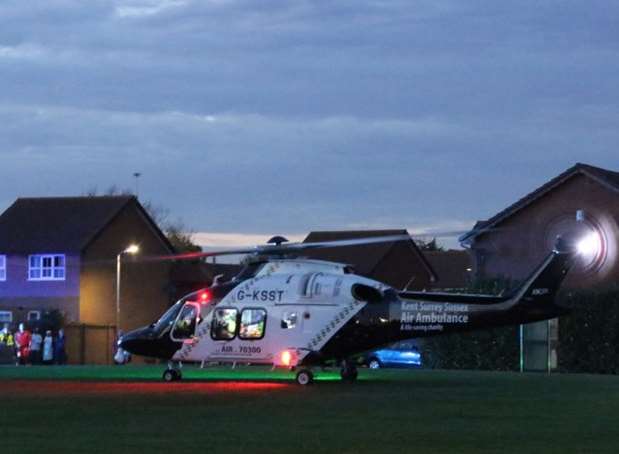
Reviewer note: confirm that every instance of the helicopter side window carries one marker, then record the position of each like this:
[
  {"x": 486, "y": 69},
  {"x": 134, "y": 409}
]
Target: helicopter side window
[
  {"x": 304, "y": 285},
  {"x": 224, "y": 323},
  {"x": 185, "y": 325},
  {"x": 253, "y": 321},
  {"x": 289, "y": 320}
]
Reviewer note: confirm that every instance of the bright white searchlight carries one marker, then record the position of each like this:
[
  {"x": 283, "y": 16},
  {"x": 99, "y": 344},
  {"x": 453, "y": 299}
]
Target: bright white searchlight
[{"x": 590, "y": 246}]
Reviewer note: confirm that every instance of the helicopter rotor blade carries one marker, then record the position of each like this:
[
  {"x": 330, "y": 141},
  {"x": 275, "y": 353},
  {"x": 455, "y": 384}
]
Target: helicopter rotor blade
[
  {"x": 199, "y": 255},
  {"x": 426, "y": 234},
  {"x": 439, "y": 233},
  {"x": 281, "y": 248},
  {"x": 342, "y": 243}
]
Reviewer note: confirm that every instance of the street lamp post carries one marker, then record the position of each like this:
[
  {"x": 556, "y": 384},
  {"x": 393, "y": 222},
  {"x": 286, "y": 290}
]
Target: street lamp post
[
  {"x": 137, "y": 175},
  {"x": 131, "y": 249}
]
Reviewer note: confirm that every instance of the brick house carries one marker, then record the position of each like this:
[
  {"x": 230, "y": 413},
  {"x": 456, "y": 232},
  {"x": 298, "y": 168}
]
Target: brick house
[
  {"x": 582, "y": 202},
  {"x": 60, "y": 253},
  {"x": 400, "y": 264},
  {"x": 579, "y": 201},
  {"x": 453, "y": 268}
]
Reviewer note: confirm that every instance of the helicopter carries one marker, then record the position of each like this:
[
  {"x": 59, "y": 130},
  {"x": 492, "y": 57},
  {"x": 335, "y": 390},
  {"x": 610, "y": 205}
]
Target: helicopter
[{"x": 292, "y": 312}]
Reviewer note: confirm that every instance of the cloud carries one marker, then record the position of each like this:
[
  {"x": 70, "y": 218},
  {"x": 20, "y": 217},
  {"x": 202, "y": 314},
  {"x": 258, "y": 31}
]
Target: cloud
[
  {"x": 290, "y": 116},
  {"x": 243, "y": 172},
  {"x": 146, "y": 7},
  {"x": 22, "y": 51}
]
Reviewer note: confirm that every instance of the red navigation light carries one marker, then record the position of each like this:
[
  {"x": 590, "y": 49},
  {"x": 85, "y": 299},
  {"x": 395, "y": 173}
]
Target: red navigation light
[
  {"x": 286, "y": 357},
  {"x": 204, "y": 297}
]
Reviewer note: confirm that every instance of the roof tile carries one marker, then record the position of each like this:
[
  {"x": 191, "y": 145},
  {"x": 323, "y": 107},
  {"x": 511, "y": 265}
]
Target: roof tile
[
  {"x": 56, "y": 224},
  {"x": 606, "y": 177}
]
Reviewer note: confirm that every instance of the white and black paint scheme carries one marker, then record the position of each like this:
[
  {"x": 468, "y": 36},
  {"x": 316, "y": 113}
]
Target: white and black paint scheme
[{"x": 299, "y": 313}]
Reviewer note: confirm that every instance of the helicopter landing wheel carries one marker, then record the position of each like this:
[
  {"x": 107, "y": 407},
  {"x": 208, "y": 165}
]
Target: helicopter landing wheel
[
  {"x": 305, "y": 377},
  {"x": 170, "y": 375},
  {"x": 348, "y": 372}
]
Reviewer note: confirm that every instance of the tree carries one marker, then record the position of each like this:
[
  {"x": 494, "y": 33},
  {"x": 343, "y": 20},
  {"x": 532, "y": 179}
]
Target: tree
[
  {"x": 426, "y": 245},
  {"x": 180, "y": 238}
]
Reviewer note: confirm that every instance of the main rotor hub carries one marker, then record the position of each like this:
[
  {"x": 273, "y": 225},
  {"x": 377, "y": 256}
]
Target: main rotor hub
[{"x": 277, "y": 240}]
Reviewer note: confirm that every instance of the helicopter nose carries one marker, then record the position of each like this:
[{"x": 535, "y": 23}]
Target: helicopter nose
[
  {"x": 126, "y": 342},
  {"x": 145, "y": 342},
  {"x": 133, "y": 342}
]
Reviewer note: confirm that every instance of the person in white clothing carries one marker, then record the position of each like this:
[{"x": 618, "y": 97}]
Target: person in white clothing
[
  {"x": 35, "y": 347},
  {"x": 48, "y": 348}
]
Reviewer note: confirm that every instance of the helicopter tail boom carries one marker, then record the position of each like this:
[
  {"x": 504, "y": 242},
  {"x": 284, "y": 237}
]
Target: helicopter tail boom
[{"x": 426, "y": 313}]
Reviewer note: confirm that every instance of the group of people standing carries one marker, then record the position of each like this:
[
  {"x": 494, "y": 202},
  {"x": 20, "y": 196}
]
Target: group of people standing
[{"x": 34, "y": 348}]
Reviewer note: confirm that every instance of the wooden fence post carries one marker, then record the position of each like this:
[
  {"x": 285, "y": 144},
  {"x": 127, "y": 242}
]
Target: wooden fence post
[{"x": 82, "y": 344}]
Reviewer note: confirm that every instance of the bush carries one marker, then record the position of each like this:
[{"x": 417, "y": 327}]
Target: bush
[{"x": 589, "y": 336}]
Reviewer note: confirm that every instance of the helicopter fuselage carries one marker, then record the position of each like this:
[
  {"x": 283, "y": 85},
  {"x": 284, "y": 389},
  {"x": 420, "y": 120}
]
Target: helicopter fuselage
[{"x": 293, "y": 312}]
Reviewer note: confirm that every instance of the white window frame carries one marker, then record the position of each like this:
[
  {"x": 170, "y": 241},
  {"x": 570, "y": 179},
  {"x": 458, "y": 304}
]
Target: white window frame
[
  {"x": 8, "y": 315},
  {"x": 51, "y": 272},
  {"x": 33, "y": 319},
  {"x": 2, "y": 267}
]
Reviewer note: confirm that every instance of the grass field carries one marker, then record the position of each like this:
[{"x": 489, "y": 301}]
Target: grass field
[{"x": 252, "y": 410}]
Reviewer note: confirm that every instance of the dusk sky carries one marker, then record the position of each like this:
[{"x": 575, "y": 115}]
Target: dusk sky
[{"x": 251, "y": 118}]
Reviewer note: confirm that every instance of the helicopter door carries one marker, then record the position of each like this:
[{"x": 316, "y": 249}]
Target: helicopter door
[{"x": 186, "y": 322}]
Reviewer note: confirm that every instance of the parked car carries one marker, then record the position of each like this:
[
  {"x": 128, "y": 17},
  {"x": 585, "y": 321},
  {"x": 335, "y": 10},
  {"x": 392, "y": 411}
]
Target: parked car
[{"x": 400, "y": 354}]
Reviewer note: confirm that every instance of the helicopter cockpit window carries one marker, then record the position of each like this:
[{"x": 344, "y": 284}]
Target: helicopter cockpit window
[
  {"x": 185, "y": 325},
  {"x": 224, "y": 323},
  {"x": 167, "y": 319},
  {"x": 252, "y": 323},
  {"x": 289, "y": 320}
]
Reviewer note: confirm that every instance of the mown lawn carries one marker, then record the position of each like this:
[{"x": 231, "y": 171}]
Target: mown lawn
[{"x": 253, "y": 410}]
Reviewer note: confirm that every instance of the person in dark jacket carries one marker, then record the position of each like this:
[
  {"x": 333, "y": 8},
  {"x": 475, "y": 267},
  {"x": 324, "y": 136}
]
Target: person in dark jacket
[
  {"x": 7, "y": 346},
  {"x": 60, "y": 354}
]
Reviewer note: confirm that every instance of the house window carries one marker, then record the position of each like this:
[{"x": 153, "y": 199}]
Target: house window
[
  {"x": 33, "y": 316},
  {"x": 2, "y": 267},
  {"x": 6, "y": 316},
  {"x": 46, "y": 267}
]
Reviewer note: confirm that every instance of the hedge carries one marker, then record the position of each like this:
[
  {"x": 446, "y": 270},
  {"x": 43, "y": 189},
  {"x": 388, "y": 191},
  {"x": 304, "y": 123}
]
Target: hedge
[
  {"x": 588, "y": 340},
  {"x": 589, "y": 336},
  {"x": 493, "y": 349}
]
